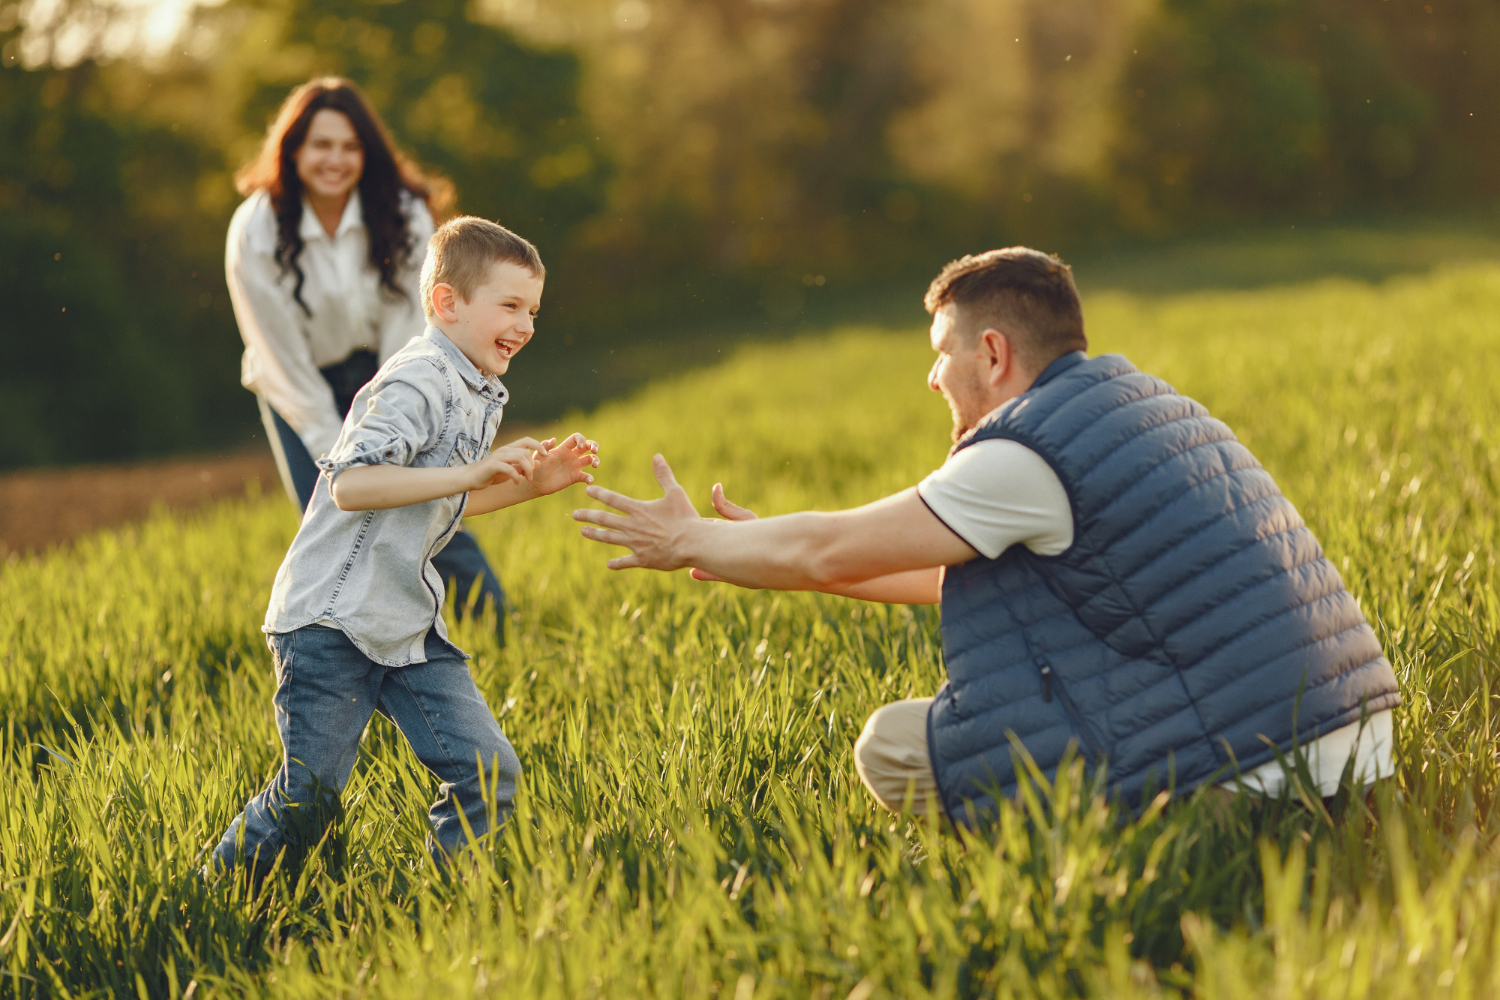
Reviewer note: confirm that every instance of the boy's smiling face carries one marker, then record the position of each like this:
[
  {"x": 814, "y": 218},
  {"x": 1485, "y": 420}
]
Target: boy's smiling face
[{"x": 496, "y": 321}]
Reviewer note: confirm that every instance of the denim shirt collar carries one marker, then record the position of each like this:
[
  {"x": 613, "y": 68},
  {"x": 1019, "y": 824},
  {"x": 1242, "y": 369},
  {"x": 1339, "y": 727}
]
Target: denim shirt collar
[{"x": 488, "y": 386}]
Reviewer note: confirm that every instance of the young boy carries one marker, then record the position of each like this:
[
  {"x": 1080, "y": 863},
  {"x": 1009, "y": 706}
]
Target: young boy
[{"x": 355, "y": 623}]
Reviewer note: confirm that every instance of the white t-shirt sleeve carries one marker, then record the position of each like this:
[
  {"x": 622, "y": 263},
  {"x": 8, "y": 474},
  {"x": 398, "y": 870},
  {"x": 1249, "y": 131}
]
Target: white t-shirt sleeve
[{"x": 1000, "y": 493}]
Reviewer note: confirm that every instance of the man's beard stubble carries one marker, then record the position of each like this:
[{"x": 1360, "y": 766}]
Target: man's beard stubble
[{"x": 964, "y": 419}]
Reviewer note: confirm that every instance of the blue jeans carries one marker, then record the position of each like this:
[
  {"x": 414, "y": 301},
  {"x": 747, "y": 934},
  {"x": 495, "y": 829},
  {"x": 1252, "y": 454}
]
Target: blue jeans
[
  {"x": 326, "y": 692},
  {"x": 460, "y": 563}
]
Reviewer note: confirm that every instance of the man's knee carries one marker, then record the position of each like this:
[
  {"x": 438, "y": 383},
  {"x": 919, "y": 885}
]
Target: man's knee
[{"x": 891, "y": 755}]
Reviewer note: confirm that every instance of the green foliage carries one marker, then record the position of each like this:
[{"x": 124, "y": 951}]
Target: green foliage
[
  {"x": 690, "y": 823},
  {"x": 115, "y": 193},
  {"x": 680, "y": 162},
  {"x": 113, "y": 339},
  {"x": 1229, "y": 108},
  {"x": 499, "y": 118}
]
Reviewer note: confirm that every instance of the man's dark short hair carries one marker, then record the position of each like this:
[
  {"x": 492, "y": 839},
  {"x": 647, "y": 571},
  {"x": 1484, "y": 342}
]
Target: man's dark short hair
[{"x": 1027, "y": 294}]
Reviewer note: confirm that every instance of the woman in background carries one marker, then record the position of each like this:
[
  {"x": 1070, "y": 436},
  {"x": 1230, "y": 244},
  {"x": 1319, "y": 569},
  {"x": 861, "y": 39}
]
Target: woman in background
[{"x": 323, "y": 261}]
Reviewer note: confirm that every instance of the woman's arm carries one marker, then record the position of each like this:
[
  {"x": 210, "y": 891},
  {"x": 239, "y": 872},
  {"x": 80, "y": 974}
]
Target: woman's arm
[{"x": 282, "y": 368}]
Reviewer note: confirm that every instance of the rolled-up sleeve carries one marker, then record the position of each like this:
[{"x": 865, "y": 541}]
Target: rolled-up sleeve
[{"x": 403, "y": 415}]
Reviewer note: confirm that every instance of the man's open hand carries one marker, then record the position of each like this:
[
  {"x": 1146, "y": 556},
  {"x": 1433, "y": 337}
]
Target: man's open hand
[
  {"x": 559, "y": 466},
  {"x": 652, "y": 530}
]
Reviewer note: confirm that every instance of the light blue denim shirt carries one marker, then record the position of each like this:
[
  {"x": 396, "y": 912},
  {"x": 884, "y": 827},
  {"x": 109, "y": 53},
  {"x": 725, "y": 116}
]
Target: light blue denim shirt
[{"x": 368, "y": 572}]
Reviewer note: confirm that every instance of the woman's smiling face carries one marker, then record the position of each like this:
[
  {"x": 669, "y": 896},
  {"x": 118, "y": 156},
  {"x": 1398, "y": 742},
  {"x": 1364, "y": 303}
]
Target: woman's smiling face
[{"x": 331, "y": 158}]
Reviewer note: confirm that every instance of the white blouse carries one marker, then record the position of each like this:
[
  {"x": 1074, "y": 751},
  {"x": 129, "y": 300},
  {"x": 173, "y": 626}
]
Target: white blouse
[{"x": 284, "y": 346}]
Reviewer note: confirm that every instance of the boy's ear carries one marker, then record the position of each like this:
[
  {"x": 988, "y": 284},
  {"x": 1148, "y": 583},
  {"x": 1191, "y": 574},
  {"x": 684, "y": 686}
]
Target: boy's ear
[{"x": 445, "y": 302}]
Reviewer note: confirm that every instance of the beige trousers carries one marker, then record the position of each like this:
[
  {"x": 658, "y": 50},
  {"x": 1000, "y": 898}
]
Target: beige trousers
[{"x": 892, "y": 759}]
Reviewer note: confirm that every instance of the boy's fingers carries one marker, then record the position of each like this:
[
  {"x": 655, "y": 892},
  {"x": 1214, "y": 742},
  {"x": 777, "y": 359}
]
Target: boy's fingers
[
  {"x": 618, "y": 501},
  {"x": 705, "y": 576},
  {"x": 528, "y": 443}
]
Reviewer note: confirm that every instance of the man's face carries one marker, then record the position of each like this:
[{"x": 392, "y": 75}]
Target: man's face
[
  {"x": 957, "y": 372},
  {"x": 496, "y": 321}
]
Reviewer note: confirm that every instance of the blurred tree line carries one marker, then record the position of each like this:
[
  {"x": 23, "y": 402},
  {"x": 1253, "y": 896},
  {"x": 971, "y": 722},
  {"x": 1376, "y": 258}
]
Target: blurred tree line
[{"x": 680, "y": 159}]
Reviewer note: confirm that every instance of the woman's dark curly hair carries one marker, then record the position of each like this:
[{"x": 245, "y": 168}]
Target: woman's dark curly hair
[{"x": 387, "y": 172}]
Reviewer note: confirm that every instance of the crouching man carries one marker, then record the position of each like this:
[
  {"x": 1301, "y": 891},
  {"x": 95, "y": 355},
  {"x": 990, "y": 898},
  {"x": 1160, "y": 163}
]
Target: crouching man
[{"x": 1115, "y": 569}]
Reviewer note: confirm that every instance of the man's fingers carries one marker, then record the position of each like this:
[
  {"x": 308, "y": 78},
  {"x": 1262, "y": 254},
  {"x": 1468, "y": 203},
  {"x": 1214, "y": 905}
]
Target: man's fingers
[
  {"x": 663, "y": 473},
  {"x": 618, "y": 501},
  {"x": 603, "y": 535},
  {"x": 729, "y": 509},
  {"x": 604, "y": 517},
  {"x": 624, "y": 562}
]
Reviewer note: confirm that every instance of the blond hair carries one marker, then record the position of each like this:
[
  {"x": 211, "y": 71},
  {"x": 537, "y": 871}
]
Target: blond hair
[{"x": 463, "y": 250}]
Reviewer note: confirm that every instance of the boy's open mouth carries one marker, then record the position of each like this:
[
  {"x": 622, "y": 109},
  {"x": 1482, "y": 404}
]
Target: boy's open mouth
[{"x": 506, "y": 349}]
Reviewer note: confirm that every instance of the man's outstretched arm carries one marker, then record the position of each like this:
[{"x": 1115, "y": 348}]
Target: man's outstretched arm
[
  {"x": 914, "y": 586},
  {"x": 834, "y": 552}
]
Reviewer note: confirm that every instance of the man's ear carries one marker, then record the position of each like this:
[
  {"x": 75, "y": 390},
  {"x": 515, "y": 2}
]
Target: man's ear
[
  {"x": 444, "y": 299},
  {"x": 996, "y": 354}
]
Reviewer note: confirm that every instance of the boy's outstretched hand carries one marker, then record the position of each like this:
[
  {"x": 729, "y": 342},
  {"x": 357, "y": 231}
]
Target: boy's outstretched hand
[
  {"x": 559, "y": 466},
  {"x": 526, "y": 469},
  {"x": 511, "y": 463}
]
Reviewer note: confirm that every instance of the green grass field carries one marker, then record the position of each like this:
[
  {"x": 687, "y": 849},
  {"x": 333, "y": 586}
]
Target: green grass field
[{"x": 690, "y": 822}]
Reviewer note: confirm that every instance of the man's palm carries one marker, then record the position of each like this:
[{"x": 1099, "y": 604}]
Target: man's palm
[{"x": 649, "y": 528}]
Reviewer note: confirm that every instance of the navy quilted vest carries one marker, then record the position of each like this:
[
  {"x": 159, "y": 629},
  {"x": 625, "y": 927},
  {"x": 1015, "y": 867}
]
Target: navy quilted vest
[{"x": 1193, "y": 616}]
